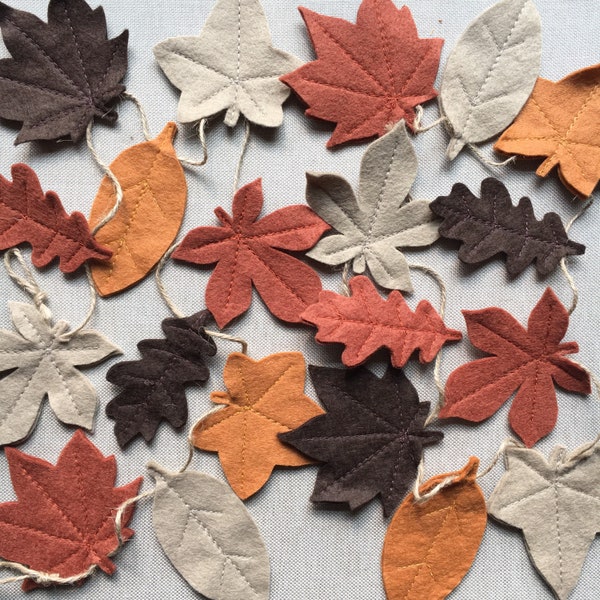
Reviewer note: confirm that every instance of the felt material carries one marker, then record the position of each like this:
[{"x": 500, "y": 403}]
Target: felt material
[
  {"x": 429, "y": 547},
  {"x": 491, "y": 225},
  {"x": 231, "y": 65},
  {"x": 209, "y": 536},
  {"x": 367, "y": 76},
  {"x": 371, "y": 439},
  {"x": 491, "y": 72},
  {"x": 561, "y": 121},
  {"x": 373, "y": 225},
  {"x": 246, "y": 250},
  {"x": 155, "y": 384},
  {"x": 29, "y": 215},
  {"x": 147, "y": 222},
  {"x": 529, "y": 360},
  {"x": 264, "y": 398},
  {"x": 63, "y": 74},
  {"x": 63, "y": 519},
  {"x": 364, "y": 322},
  {"x": 43, "y": 365},
  {"x": 555, "y": 502}
]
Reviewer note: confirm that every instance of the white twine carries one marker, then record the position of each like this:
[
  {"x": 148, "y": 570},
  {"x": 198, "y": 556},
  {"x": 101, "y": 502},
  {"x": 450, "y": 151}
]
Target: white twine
[
  {"x": 417, "y": 128},
  {"x": 142, "y": 112},
  {"x": 65, "y": 337},
  {"x": 190, "y": 439},
  {"x": 238, "y": 169},
  {"x": 486, "y": 161},
  {"x": 346, "y": 275},
  {"x": 202, "y": 135}
]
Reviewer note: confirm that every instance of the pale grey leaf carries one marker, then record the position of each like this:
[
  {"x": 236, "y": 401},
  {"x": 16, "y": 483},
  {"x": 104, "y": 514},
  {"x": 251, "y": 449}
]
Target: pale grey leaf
[
  {"x": 388, "y": 267},
  {"x": 28, "y": 321},
  {"x": 209, "y": 536},
  {"x": 86, "y": 347},
  {"x": 491, "y": 72}
]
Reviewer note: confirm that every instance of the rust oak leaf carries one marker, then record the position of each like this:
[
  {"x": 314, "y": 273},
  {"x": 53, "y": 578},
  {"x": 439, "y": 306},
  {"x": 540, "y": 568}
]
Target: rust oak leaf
[
  {"x": 27, "y": 215},
  {"x": 365, "y": 322},
  {"x": 371, "y": 438},
  {"x": 369, "y": 75},
  {"x": 247, "y": 250},
  {"x": 529, "y": 360},
  {"x": 63, "y": 519},
  {"x": 154, "y": 386},
  {"x": 62, "y": 73}
]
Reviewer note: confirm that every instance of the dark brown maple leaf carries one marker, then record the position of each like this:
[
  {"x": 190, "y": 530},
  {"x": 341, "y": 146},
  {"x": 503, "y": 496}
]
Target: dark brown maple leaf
[
  {"x": 63, "y": 519},
  {"x": 491, "y": 224},
  {"x": 63, "y": 73}
]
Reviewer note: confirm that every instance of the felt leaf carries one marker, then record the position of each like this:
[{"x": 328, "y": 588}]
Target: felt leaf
[
  {"x": 154, "y": 386},
  {"x": 367, "y": 76},
  {"x": 491, "y": 72},
  {"x": 529, "y": 360},
  {"x": 231, "y": 65},
  {"x": 63, "y": 520},
  {"x": 555, "y": 503},
  {"x": 247, "y": 250},
  {"x": 264, "y": 398},
  {"x": 364, "y": 322},
  {"x": 42, "y": 364},
  {"x": 371, "y": 438},
  {"x": 147, "y": 222},
  {"x": 491, "y": 225},
  {"x": 373, "y": 225},
  {"x": 560, "y": 121},
  {"x": 29, "y": 215},
  {"x": 430, "y": 546},
  {"x": 209, "y": 536},
  {"x": 63, "y": 73}
]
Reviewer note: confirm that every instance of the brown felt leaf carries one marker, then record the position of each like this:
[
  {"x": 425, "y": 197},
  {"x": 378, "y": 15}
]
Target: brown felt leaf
[
  {"x": 561, "y": 121},
  {"x": 264, "y": 398},
  {"x": 430, "y": 546},
  {"x": 147, "y": 222}
]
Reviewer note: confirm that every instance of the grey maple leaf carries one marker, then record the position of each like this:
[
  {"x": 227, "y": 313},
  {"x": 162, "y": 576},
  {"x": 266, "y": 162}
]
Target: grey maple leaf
[
  {"x": 231, "y": 65},
  {"x": 373, "y": 226},
  {"x": 556, "y": 502},
  {"x": 43, "y": 363}
]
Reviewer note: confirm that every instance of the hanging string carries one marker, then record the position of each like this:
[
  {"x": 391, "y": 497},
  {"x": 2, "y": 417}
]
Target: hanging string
[
  {"x": 190, "y": 439},
  {"x": 563, "y": 262},
  {"x": 202, "y": 136},
  {"x": 119, "y": 515},
  {"x": 142, "y": 112},
  {"x": 418, "y": 128},
  {"x": 346, "y": 275},
  {"x": 486, "y": 161},
  {"x": 238, "y": 169},
  {"x": 65, "y": 337}
]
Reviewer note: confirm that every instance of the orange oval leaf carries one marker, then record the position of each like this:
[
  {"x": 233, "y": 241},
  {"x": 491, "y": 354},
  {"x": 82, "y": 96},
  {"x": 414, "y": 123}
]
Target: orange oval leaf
[
  {"x": 429, "y": 547},
  {"x": 154, "y": 197}
]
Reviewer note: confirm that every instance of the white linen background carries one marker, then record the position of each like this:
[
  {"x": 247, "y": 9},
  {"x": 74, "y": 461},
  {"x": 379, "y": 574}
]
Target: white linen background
[{"x": 315, "y": 553}]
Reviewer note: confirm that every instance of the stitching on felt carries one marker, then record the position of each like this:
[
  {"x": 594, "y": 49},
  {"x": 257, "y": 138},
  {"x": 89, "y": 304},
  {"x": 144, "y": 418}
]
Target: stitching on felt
[
  {"x": 35, "y": 329},
  {"x": 385, "y": 44},
  {"x": 98, "y": 86},
  {"x": 262, "y": 397},
  {"x": 50, "y": 91},
  {"x": 428, "y": 49},
  {"x": 487, "y": 29},
  {"x": 349, "y": 436},
  {"x": 345, "y": 88},
  {"x": 234, "y": 268},
  {"x": 243, "y": 453},
  {"x": 52, "y": 360},
  {"x": 361, "y": 124},
  {"x": 193, "y": 60},
  {"x": 57, "y": 115},
  {"x": 560, "y": 558},
  {"x": 44, "y": 534},
  {"x": 238, "y": 51},
  {"x": 85, "y": 76},
  {"x": 551, "y": 139},
  {"x": 380, "y": 418},
  {"x": 582, "y": 110}
]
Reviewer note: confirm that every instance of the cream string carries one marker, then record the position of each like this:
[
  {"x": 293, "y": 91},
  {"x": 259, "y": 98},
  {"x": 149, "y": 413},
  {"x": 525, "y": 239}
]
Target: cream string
[
  {"x": 238, "y": 169},
  {"x": 417, "y": 128}
]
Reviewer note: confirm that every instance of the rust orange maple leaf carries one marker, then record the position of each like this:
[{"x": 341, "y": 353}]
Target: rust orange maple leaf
[
  {"x": 264, "y": 398},
  {"x": 369, "y": 75},
  {"x": 561, "y": 121}
]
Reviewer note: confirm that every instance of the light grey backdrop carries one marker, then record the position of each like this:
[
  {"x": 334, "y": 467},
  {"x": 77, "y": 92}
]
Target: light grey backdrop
[{"x": 315, "y": 554}]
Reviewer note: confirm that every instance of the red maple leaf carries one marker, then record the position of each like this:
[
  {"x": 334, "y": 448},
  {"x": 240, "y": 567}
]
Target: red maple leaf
[
  {"x": 365, "y": 322},
  {"x": 27, "y": 215},
  {"x": 246, "y": 252},
  {"x": 369, "y": 75},
  {"x": 531, "y": 360},
  {"x": 63, "y": 519}
]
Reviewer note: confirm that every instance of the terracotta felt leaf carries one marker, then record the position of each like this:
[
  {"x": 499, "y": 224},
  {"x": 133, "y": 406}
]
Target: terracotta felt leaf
[
  {"x": 556, "y": 503},
  {"x": 491, "y": 72},
  {"x": 155, "y": 384},
  {"x": 561, "y": 121},
  {"x": 63, "y": 73},
  {"x": 369, "y": 75},
  {"x": 264, "y": 398},
  {"x": 371, "y": 439},
  {"x": 209, "y": 536},
  {"x": 27, "y": 215},
  {"x": 491, "y": 225},
  {"x": 364, "y": 322},
  {"x": 375, "y": 223},
  {"x": 529, "y": 360},
  {"x": 231, "y": 65},
  {"x": 147, "y": 222},
  {"x": 247, "y": 252},
  {"x": 430, "y": 546},
  {"x": 42, "y": 364},
  {"x": 63, "y": 519}
]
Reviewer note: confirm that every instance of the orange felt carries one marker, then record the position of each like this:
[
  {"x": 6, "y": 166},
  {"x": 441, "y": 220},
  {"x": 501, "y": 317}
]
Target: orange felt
[
  {"x": 430, "y": 546},
  {"x": 264, "y": 398},
  {"x": 147, "y": 222}
]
